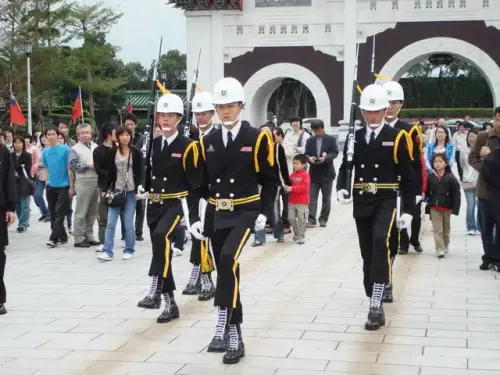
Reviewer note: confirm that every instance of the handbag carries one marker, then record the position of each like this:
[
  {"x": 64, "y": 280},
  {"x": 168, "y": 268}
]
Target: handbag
[
  {"x": 27, "y": 185},
  {"x": 115, "y": 197}
]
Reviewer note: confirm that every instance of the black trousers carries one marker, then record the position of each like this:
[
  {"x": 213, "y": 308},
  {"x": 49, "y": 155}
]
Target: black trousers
[
  {"x": 227, "y": 245},
  {"x": 58, "y": 199},
  {"x": 195, "y": 258},
  {"x": 139, "y": 218},
  {"x": 416, "y": 223},
  {"x": 3, "y": 291},
  {"x": 102, "y": 219},
  {"x": 459, "y": 165},
  {"x": 162, "y": 223},
  {"x": 284, "y": 213},
  {"x": 326, "y": 192},
  {"x": 489, "y": 220},
  {"x": 374, "y": 234}
]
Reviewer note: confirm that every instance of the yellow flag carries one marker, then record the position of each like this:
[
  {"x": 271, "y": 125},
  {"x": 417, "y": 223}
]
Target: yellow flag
[
  {"x": 199, "y": 88},
  {"x": 359, "y": 89},
  {"x": 162, "y": 88},
  {"x": 385, "y": 78}
]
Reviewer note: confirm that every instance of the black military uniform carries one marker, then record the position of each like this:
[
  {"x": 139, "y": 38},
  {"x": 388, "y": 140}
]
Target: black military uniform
[
  {"x": 399, "y": 237},
  {"x": 200, "y": 283},
  {"x": 8, "y": 201},
  {"x": 171, "y": 172},
  {"x": 379, "y": 164},
  {"x": 235, "y": 166}
]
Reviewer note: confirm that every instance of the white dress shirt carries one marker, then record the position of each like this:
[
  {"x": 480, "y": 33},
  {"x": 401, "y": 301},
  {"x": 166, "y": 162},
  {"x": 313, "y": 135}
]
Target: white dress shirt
[
  {"x": 234, "y": 132},
  {"x": 369, "y": 131},
  {"x": 169, "y": 139},
  {"x": 203, "y": 132},
  {"x": 393, "y": 122}
]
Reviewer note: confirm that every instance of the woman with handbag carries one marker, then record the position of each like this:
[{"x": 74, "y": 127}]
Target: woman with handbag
[
  {"x": 25, "y": 185},
  {"x": 123, "y": 178}
]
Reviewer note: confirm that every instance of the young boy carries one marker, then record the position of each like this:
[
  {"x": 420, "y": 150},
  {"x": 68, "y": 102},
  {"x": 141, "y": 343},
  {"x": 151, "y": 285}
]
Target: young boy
[{"x": 298, "y": 202}]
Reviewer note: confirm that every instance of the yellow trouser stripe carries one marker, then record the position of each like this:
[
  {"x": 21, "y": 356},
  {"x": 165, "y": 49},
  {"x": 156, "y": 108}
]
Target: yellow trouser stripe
[
  {"x": 388, "y": 245},
  {"x": 207, "y": 263},
  {"x": 167, "y": 246},
  {"x": 235, "y": 266}
]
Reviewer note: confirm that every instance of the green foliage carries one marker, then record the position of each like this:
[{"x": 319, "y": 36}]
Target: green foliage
[
  {"x": 446, "y": 112},
  {"x": 173, "y": 66}
]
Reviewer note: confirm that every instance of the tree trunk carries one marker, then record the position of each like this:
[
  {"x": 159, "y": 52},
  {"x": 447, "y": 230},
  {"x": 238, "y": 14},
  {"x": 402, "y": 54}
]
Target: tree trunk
[{"x": 90, "y": 92}]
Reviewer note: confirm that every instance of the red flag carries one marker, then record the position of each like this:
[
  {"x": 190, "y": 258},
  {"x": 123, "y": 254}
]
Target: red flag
[
  {"x": 77, "y": 108},
  {"x": 129, "y": 105},
  {"x": 16, "y": 113}
]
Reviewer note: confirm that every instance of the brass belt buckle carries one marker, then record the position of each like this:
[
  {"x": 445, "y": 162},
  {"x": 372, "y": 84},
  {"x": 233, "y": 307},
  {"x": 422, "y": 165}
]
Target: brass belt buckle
[
  {"x": 155, "y": 198},
  {"x": 224, "y": 205},
  {"x": 370, "y": 187}
]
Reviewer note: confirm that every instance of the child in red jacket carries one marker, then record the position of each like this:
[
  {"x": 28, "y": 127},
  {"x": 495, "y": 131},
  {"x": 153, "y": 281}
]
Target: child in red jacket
[{"x": 298, "y": 202}]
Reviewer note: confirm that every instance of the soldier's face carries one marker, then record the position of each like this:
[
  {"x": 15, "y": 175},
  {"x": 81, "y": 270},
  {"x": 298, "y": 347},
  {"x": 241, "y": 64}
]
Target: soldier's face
[
  {"x": 229, "y": 113},
  {"x": 374, "y": 118},
  {"x": 394, "y": 108},
  {"x": 168, "y": 121},
  {"x": 203, "y": 119}
]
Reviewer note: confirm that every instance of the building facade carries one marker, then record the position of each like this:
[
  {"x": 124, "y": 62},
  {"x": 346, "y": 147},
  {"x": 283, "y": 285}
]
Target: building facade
[{"x": 262, "y": 42}]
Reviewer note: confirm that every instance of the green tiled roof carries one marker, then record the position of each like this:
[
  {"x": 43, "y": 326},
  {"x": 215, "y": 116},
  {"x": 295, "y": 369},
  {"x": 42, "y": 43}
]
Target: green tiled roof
[{"x": 140, "y": 98}]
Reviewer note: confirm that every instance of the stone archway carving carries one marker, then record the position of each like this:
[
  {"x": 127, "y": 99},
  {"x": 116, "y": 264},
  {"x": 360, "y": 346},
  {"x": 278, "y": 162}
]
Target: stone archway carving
[
  {"x": 261, "y": 85},
  {"x": 404, "y": 59}
]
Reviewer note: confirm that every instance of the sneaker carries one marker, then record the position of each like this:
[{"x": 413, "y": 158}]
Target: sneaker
[
  {"x": 471, "y": 232},
  {"x": 441, "y": 254},
  {"x": 301, "y": 241},
  {"x": 51, "y": 243},
  {"x": 295, "y": 238},
  {"x": 478, "y": 232},
  {"x": 127, "y": 256},
  {"x": 281, "y": 239},
  {"x": 177, "y": 252},
  {"x": 47, "y": 219},
  {"x": 99, "y": 249},
  {"x": 105, "y": 257},
  {"x": 21, "y": 229},
  {"x": 42, "y": 218}
]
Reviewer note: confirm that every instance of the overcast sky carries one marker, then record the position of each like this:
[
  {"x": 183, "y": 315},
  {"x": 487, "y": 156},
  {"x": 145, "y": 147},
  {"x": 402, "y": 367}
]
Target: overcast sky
[{"x": 141, "y": 26}]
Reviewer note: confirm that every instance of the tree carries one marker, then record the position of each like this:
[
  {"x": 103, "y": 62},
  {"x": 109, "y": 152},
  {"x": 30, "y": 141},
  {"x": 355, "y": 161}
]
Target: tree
[
  {"x": 173, "y": 64},
  {"x": 90, "y": 24},
  {"x": 136, "y": 76}
]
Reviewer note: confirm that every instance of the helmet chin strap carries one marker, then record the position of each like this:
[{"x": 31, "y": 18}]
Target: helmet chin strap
[
  {"x": 164, "y": 128},
  {"x": 374, "y": 126},
  {"x": 206, "y": 125},
  {"x": 232, "y": 123}
]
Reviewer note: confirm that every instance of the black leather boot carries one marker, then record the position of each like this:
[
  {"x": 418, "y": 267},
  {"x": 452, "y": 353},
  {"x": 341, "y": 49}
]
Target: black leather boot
[
  {"x": 236, "y": 349},
  {"x": 376, "y": 319},
  {"x": 150, "y": 302},
  {"x": 388, "y": 298},
  {"x": 3, "y": 310},
  {"x": 207, "y": 293},
  {"x": 192, "y": 289},
  {"x": 218, "y": 345},
  {"x": 169, "y": 314}
]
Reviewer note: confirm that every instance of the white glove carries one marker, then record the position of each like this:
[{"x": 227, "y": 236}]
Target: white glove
[
  {"x": 197, "y": 231},
  {"x": 141, "y": 192},
  {"x": 404, "y": 221},
  {"x": 260, "y": 223},
  {"x": 341, "y": 196},
  {"x": 418, "y": 198}
]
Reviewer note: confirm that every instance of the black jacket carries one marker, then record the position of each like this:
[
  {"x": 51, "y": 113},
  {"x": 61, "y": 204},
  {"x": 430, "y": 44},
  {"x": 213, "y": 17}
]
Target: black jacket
[
  {"x": 8, "y": 191},
  {"x": 23, "y": 159},
  {"x": 325, "y": 171},
  {"x": 137, "y": 169},
  {"x": 443, "y": 192},
  {"x": 490, "y": 173},
  {"x": 102, "y": 164},
  {"x": 281, "y": 166}
]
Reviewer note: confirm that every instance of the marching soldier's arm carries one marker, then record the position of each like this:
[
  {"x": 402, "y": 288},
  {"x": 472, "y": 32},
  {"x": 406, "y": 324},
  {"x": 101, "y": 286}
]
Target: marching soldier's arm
[
  {"x": 341, "y": 178},
  {"x": 404, "y": 166},
  {"x": 264, "y": 160}
]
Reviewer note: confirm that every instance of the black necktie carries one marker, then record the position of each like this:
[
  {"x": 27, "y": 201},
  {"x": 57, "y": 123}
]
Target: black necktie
[
  {"x": 165, "y": 144},
  {"x": 229, "y": 139},
  {"x": 372, "y": 137}
]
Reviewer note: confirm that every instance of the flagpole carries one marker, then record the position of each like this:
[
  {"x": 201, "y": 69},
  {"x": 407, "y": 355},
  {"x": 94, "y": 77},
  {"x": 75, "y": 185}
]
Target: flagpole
[
  {"x": 81, "y": 102},
  {"x": 10, "y": 114}
]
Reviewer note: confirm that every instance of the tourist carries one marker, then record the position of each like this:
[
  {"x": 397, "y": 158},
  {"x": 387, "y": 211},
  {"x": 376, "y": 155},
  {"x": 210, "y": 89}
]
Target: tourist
[
  {"x": 469, "y": 181},
  {"x": 25, "y": 186},
  {"x": 441, "y": 145}
]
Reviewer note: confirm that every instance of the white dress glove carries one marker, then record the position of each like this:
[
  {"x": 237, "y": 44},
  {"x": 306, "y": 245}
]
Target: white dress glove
[
  {"x": 141, "y": 192},
  {"x": 197, "y": 231},
  {"x": 418, "y": 198},
  {"x": 404, "y": 221},
  {"x": 260, "y": 223},
  {"x": 341, "y": 196}
]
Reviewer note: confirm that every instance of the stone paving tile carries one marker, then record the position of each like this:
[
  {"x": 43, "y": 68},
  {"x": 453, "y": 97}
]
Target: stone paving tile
[{"x": 304, "y": 312}]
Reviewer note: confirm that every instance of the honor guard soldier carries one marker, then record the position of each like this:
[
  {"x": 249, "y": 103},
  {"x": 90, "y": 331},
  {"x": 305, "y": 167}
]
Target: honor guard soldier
[
  {"x": 237, "y": 159},
  {"x": 399, "y": 237},
  {"x": 200, "y": 281},
  {"x": 171, "y": 172},
  {"x": 382, "y": 166}
]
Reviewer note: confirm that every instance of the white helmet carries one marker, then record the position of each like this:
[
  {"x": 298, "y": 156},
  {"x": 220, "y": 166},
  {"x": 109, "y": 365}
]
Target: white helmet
[
  {"x": 202, "y": 102},
  {"x": 170, "y": 103},
  {"x": 228, "y": 90},
  {"x": 394, "y": 91},
  {"x": 373, "y": 98}
]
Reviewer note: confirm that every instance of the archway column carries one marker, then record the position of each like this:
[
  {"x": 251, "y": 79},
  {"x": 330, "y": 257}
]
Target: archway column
[
  {"x": 410, "y": 55},
  {"x": 261, "y": 85}
]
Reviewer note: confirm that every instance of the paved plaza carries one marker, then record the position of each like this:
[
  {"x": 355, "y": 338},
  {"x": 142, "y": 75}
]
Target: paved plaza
[{"x": 304, "y": 311}]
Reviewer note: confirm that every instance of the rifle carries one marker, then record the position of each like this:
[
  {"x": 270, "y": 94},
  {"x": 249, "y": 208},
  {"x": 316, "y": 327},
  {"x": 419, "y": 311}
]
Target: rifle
[
  {"x": 148, "y": 141},
  {"x": 350, "y": 133},
  {"x": 189, "y": 114},
  {"x": 374, "y": 77}
]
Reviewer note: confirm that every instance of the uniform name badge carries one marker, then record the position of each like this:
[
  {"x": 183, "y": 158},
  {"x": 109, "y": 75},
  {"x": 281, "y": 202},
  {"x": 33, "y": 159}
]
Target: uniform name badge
[
  {"x": 387, "y": 143},
  {"x": 246, "y": 149},
  {"x": 176, "y": 155}
]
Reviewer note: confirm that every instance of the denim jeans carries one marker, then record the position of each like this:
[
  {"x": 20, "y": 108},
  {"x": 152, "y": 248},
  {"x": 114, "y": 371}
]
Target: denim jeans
[
  {"x": 260, "y": 235},
  {"x": 113, "y": 215},
  {"x": 23, "y": 211},
  {"x": 39, "y": 198},
  {"x": 471, "y": 218}
]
